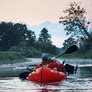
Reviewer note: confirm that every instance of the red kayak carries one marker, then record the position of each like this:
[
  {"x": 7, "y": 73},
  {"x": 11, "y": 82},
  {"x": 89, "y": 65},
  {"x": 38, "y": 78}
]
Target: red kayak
[{"x": 45, "y": 74}]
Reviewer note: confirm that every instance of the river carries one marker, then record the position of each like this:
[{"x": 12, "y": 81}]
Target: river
[{"x": 79, "y": 82}]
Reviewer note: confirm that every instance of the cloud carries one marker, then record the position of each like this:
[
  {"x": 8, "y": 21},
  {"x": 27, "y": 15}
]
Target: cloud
[
  {"x": 57, "y": 32},
  {"x": 53, "y": 28}
]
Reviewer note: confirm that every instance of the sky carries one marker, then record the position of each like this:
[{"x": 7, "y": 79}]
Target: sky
[{"x": 35, "y": 13}]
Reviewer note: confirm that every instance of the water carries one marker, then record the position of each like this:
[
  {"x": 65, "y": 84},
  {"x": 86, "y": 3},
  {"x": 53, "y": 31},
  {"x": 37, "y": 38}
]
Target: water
[{"x": 80, "y": 82}]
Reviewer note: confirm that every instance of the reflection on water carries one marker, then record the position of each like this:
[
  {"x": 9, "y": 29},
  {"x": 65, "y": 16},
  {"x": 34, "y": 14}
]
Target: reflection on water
[{"x": 80, "y": 82}]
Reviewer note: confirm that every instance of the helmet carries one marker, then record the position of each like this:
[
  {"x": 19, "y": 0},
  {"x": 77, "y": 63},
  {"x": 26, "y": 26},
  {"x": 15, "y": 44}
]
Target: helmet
[{"x": 44, "y": 57}]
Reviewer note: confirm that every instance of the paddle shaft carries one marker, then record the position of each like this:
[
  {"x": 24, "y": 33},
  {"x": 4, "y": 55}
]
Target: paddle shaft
[{"x": 60, "y": 55}]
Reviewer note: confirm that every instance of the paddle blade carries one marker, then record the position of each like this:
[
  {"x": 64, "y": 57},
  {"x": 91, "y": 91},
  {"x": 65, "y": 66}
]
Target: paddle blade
[
  {"x": 24, "y": 75},
  {"x": 71, "y": 49}
]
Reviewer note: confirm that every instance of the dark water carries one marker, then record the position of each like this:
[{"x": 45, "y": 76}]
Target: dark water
[{"x": 80, "y": 82}]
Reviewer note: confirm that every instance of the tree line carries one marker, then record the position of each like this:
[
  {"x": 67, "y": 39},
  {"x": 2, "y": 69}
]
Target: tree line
[{"x": 16, "y": 37}]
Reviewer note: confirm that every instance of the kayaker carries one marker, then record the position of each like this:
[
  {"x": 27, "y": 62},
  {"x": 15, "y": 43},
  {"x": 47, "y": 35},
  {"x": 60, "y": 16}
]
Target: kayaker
[{"x": 51, "y": 63}]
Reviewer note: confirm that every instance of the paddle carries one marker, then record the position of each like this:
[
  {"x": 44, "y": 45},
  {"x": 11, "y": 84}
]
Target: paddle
[
  {"x": 25, "y": 74},
  {"x": 71, "y": 49}
]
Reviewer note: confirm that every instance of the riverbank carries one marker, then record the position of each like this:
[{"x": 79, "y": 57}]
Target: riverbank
[
  {"x": 16, "y": 57},
  {"x": 11, "y": 58},
  {"x": 82, "y": 55}
]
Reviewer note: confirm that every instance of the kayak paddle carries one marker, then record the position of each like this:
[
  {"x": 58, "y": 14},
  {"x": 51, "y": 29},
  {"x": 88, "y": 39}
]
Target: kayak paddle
[
  {"x": 25, "y": 74},
  {"x": 71, "y": 49}
]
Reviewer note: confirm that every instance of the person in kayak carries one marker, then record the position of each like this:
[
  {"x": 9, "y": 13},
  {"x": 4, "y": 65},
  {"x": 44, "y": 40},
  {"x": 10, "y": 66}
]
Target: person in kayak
[{"x": 51, "y": 63}]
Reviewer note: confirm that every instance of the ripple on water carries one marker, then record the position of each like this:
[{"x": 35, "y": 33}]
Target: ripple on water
[
  {"x": 80, "y": 82},
  {"x": 70, "y": 84}
]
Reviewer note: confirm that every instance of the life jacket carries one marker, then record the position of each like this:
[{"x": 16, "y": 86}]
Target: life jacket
[
  {"x": 42, "y": 65},
  {"x": 51, "y": 64},
  {"x": 46, "y": 63}
]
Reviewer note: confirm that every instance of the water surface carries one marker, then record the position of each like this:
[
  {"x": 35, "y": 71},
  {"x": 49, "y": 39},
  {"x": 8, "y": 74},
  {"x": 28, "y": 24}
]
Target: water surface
[{"x": 80, "y": 82}]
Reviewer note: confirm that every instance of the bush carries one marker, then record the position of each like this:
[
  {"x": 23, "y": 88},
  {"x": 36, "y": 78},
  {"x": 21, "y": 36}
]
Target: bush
[
  {"x": 31, "y": 52},
  {"x": 10, "y": 57},
  {"x": 83, "y": 55}
]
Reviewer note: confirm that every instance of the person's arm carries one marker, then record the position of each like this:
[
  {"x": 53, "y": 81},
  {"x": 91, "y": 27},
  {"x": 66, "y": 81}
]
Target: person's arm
[{"x": 53, "y": 64}]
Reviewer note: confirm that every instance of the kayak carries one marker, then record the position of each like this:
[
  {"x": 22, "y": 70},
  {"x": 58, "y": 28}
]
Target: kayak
[{"x": 45, "y": 74}]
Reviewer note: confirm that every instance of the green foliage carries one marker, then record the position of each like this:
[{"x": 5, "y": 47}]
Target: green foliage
[
  {"x": 77, "y": 26},
  {"x": 47, "y": 48},
  {"x": 88, "y": 54},
  {"x": 84, "y": 45},
  {"x": 75, "y": 21},
  {"x": 11, "y": 57},
  {"x": 31, "y": 52},
  {"x": 27, "y": 51},
  {"x": 16, "y": 37},
  {"x": 14, "y": 34},
  {"x": 81, "y": 55},
  {"x": 69, "y": 42},
  {"x": 44, "y": 36},
  {"x": 37, "y": 50},
  {"x": 51, "y": 49}
]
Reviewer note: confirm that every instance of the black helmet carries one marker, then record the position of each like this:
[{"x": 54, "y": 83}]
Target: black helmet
[{"x": 44, "y": 57}]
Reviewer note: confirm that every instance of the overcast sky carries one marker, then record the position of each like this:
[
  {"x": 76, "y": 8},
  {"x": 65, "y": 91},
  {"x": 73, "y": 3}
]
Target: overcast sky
[{"x": 36, "y": 12}]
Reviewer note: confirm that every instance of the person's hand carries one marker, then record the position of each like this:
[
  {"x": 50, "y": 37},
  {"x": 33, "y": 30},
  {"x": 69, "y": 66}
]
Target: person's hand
[
  {"x": 55, "y": 68},
  {"x": 53, "y": 58}
]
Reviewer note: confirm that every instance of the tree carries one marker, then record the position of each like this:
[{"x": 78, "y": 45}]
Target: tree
[
  {"x": 5, "y": 35},
  {"x": 15, "y": 34},
  {"x": 75, "y": 22},
  {"x": 44, "y": 36},
  {"x": 24, "y": 36},
  {"x": 69, "y": 42},
  {"x": 30, "y": 38},
  {"x": 83, "y": 45}
]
